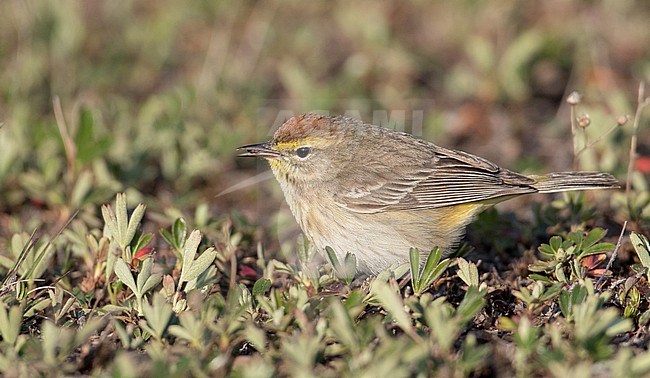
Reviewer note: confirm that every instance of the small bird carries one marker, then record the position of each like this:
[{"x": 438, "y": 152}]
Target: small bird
[{"x": 376, "y": 193}]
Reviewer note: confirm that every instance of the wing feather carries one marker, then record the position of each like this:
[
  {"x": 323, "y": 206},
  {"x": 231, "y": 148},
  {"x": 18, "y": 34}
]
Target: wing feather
[{"x": 433, "y": 177}]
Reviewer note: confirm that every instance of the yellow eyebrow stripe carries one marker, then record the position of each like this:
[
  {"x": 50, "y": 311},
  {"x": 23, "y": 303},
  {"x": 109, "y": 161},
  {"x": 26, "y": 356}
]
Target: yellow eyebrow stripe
[{"x": 293, "y": 144}]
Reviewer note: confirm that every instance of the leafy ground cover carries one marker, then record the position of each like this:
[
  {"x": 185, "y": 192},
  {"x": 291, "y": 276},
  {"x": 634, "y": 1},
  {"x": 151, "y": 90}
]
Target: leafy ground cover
[{"x": 134, "y": 243}]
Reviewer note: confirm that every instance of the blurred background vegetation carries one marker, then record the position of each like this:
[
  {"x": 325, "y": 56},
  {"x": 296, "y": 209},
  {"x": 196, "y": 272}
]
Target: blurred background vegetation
[
  {"x": 152, "y": 97},
  {"x": 157, "y": 94}
]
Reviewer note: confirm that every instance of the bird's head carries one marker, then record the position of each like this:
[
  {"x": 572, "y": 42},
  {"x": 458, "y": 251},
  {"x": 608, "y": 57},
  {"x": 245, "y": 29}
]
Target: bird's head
[{"x": 306, "y": 149}]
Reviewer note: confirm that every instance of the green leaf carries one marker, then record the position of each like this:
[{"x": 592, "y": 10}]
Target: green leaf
[
  {"x": 414, "y": 259},
  {"x": 261, "y": 286},
  {"x": 432, "y": 260},
  {"x": 176, "y": 238},
  {"x": 431, "y": 271},
  {"x": 541, "y": 266},
  {"x": 538, "y": 277},
  {"x": 445, "y": 327},
  {"x": 350, "y": 267},
  {"x": 551, "y": 292},
  {"x": 644, "y": 318},
  {"x": 343, "y": 326},
  {"x": 555, "y": 243},
  {"x": 392, "y": 302},
  {"x": 202, "y": 262},
  {"x": 134, "y": 222},
  {"x": 331, "y": 255},
  {"x": 305, "y": 251},
  {"x": 43, "y": 255},
  {"x": 110, "y": 222},
  {"x": 467, "y": 272},
  {"x": 513, "y": 61},
  {"x": 122, "y": 333},
  {"x": 199, "y": 265},
  {"x": 142, "y": 242},
  {"x": 122, "y": 220},
  {"x": 345, "y": 271},
  {"x": 123, "y": 272},
  {"x": 575, "y": 238},
  {"x": 145, "y": 272},
  {"x": 597, "y": 249},
  {"x": 182, "y": 332},
  {"x": 526, "y": 336},
  {"x": 180, "y": 232},
  {"x": 88, "y": 146},
  {"x": 151, "y": 282},
  {"x": 546, "y": 250},
  {"x": 642, "y": 248},
  {"x": 578, "y": 294},
  {"x": 593, "y": 237},
  {"x": 565, "y": 305},
  {"x": 82, "y": 187},
  {"x": 429, "y": 276},
  {"x": 559, "y": 273},
  {"x": 10, "y": 321},
  {"x": 189, "y": 251},
  {"x": 256, "y": 336},
  {"x": 158, "y": 314},
  {"x": 471, "y": 303},
  {"x": 168, "y": 237}
]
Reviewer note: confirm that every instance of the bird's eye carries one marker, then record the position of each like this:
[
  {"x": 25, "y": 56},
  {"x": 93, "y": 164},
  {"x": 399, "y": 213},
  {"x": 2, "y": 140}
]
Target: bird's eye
[{"x": 303, "y": 152}]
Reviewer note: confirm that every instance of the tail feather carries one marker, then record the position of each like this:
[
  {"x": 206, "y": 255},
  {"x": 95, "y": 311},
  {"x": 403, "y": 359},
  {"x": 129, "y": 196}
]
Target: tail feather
[{"x": 565, "y": 181}]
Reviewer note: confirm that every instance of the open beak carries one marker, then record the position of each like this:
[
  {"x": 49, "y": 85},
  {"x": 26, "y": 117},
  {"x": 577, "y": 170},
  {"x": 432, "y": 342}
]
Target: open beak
[{"x": 263, "y": 150}]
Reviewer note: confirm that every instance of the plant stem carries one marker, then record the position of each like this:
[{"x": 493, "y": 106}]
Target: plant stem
[{"x": 642, "y": 102}]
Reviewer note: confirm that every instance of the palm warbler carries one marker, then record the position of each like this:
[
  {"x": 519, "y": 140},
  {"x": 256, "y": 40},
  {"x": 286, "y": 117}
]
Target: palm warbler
[{"x": 376, "y": 192}]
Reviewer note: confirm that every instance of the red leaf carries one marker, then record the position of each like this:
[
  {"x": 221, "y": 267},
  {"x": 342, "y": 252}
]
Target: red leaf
[
  {"x": 643, "y": 164},
  {"x": 141, "y": 255},
  {"x": 247, "y": 271}
]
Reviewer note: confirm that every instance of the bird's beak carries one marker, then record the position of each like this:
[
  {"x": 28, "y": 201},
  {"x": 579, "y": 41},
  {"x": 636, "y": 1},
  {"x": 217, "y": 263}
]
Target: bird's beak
[{"x": 263, "y": 150}]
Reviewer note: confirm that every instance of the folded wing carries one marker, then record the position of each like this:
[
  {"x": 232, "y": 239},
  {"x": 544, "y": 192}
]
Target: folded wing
[{"x": 426, "y": 178}]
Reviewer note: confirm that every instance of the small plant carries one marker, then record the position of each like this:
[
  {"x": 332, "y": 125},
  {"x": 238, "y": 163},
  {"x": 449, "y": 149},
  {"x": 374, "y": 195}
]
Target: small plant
[
  {"x": 526, "y": 339},
  {"x": 176, "y": 238},
  {"x": 121, "y": 229},
  {"x": 59, "y": 342},
  {"x": 144, "y": 283},
  {"x": 192, "y": 268},
  {"x": 195, "y": 273},
  {"x": 10, "y": 321},
  {"x": 642, "y": 247},
  {"x": 539, "y": 295},
  {"x": 390, "y": 299},
  {"x": 309, "y": 271},
  {"x": 595, "y": 326},
  {"x": 156, "y": 317},
  {"x": 468, "y": 272},
  {"x": 569, "y": 300},
  {"x": 345, "y": 270},
  {"x": 562, "y": 257},
  {"x": 30, "y": 262},
  {"x": 432, "y": 270}
]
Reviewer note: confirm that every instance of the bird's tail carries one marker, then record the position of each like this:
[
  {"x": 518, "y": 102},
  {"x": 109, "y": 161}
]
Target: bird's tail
[{"x": 564, "y": 181}]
